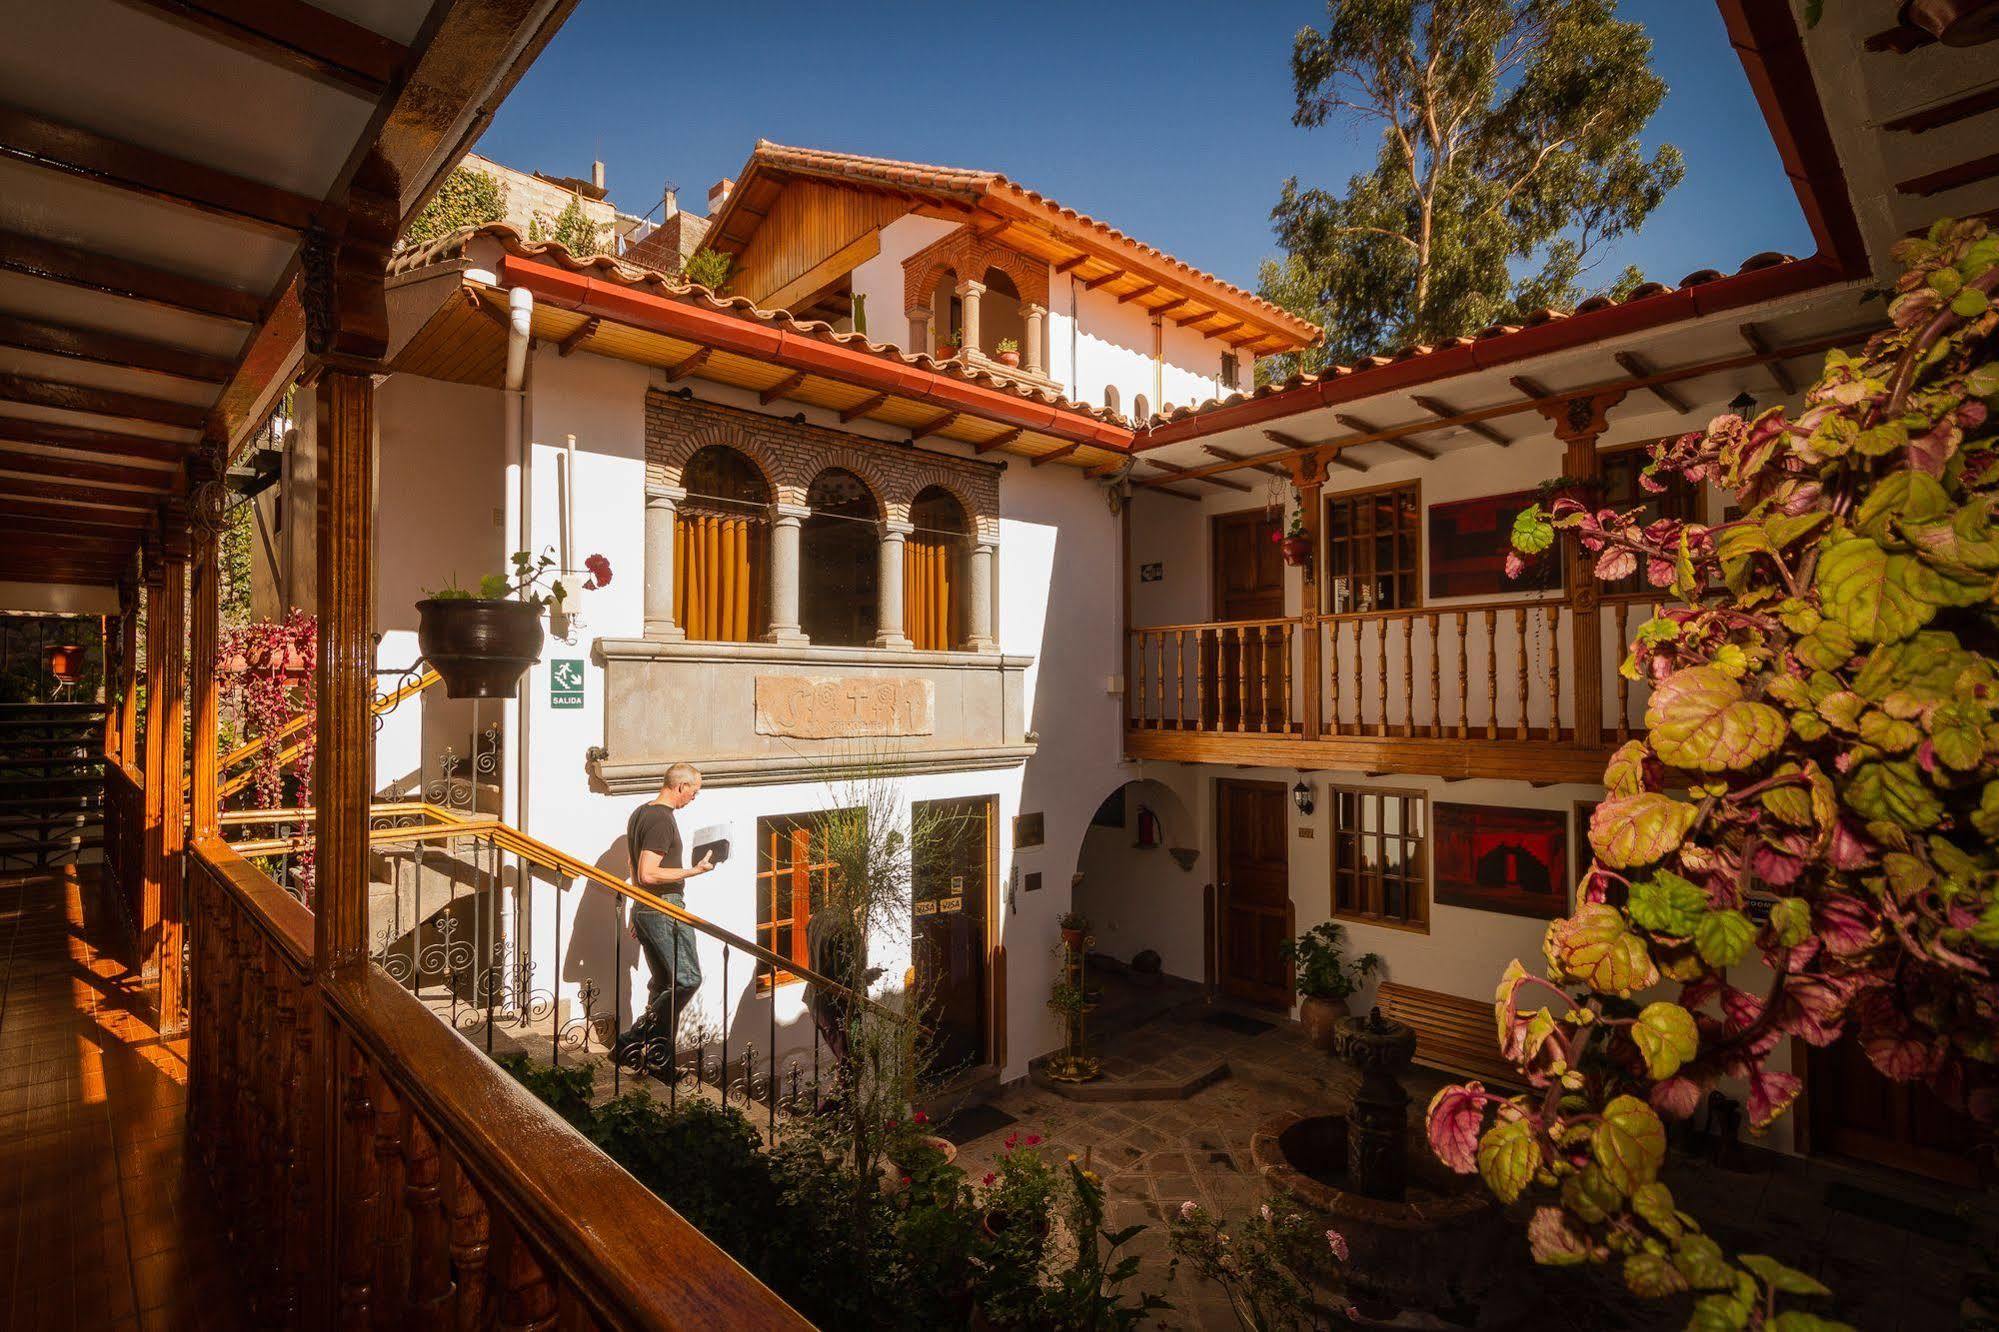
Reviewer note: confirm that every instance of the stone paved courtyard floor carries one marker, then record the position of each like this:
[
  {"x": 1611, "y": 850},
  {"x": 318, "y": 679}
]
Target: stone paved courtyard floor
[{"x": 1155, "y": 1155}]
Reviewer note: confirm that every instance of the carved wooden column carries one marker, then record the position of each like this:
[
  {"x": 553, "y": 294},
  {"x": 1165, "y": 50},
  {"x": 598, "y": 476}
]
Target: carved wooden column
[
  {"x": 1578, "y": 423},
  {"x": 1310, "y": 478},
  {"x": 128, "y": 670},
  {"x": 204, "y": 625},
  {"x": 161, "y": 927}
]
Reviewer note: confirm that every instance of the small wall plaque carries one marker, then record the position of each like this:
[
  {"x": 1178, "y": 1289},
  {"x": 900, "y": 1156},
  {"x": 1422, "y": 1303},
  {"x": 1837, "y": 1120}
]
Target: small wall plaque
[
  {"x": 1151, "y": 573},
  {"x": 1031, "y": 882},
  {"x": 805, "y": 707},
  {"x": 950, "y": 904},
  {"x": 1028, "y": 829}
]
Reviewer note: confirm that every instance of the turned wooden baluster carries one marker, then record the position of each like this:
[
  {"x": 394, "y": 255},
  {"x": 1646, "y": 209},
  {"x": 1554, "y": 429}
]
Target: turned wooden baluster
[
  {"x": 1138, "y": 707},
  {"x": 1180, "y": 678},
  {"x": 1464, "y": 680},
  {"x": 527, "y": 1296},
  {"x": 1623, "y": 684},
  {"x": 1333, "y": 678},
  {"x": 1201, "y": 677},
  {"x": 471, "y": 1248},
  {"x": 1520, "y": 672},
  {"x": 1436, "y": 726},
  {"x": 1409, "y": 676},
  {"x": 1554, "y": 672},
  {"x": 1261, "y": 675},
  {"x": 354, "y": 1205},
  {"x": 301, "y": 1237},
  {"x": 1381, "y": 677},
  {"x": 1284, "y": 639},
  {"x": 430, "y": 1233},
  {"x": 1241, "y": 680},
  {"x": 391, "y": 1257},
  {"x": 1492, "y": 675}
]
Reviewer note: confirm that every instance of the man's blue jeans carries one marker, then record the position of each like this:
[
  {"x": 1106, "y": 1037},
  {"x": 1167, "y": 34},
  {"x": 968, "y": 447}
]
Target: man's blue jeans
[{"x": 675, "y": 970}]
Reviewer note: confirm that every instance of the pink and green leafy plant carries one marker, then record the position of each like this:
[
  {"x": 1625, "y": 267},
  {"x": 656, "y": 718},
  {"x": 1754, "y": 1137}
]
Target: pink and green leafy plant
[
  {"x": 264, "y": 672},
  {"x": 1802, "y": 846}
]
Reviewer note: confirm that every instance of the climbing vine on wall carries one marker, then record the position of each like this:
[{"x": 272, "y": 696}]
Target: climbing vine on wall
[
  {"x": 1803, "y": 842},
  {"x": 467, "y": 198}
]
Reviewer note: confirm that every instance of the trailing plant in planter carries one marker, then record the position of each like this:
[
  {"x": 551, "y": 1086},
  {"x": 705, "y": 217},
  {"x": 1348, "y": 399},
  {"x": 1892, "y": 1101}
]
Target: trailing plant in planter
[
  {"x": 481, "y": 642},
  {"x": 1074, "y": 926},
  {"x": 1294, "y": 539},
  {"x": 1822, "y": 744},
  {"x": 1007, "y": 352},
  {"x": 1324, "y": 978},
  {"x": 264, "y": 675}
]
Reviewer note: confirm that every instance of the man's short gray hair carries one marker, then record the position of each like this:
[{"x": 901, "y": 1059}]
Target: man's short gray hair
[{"x": 681, "y": 774}]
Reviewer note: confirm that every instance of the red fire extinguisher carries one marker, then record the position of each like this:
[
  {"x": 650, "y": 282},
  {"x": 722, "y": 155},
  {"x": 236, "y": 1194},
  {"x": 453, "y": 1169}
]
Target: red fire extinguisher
[{"x": 1148, "y": 828}]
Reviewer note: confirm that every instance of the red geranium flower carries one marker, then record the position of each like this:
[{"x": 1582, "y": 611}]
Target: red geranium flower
[{"x": 600, "y": 573}]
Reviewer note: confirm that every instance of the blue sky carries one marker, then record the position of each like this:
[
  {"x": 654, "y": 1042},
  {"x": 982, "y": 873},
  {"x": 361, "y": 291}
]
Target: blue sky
[{"x": 1169, "y": 119}]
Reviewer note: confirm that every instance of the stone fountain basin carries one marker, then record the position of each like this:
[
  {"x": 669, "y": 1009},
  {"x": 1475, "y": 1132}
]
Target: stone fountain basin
[{"x": 1435, "y": 1251}]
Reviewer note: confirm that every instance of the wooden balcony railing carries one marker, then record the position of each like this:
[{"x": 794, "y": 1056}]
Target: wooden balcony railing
[
  {"x": 381, "y": 1172},
  {"x": 1475, "y": 672},
  {"x": 125, "y": 833}
]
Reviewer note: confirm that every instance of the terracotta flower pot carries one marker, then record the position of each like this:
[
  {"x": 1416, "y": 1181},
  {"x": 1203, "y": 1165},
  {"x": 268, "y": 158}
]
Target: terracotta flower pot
[
  {"x": 1073, "y": 938},
  {"x": 1297, "y": 551},
  {"x": 65, "y": 662},
  {"x": 1007, "y": 358},
  {"x": 893, "y": 1171},
  {"x": 1320, "y": 1018},
  {"x": 480, "y": 647},
  {"x": 946, "y": 350}
]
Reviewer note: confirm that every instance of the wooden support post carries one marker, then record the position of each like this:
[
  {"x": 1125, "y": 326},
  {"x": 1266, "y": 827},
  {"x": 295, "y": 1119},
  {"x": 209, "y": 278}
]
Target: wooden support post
[
  {"x": 128, "y": 675},
  {"x": 204, "y": 624},
  {"x": 1579, "y": 422},
  {"x": 1310, "y": 659},
  {"x": 161, "y": 916}
]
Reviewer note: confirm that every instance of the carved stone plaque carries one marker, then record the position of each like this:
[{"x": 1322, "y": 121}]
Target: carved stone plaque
[{"x": 832, "y": 708}]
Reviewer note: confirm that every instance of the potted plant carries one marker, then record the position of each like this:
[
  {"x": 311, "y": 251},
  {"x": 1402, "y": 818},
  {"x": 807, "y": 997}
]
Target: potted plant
[
  {"x": 914, "y": 1152},
  {"x": 1324, "y": 978},
  {"x": 1074, "y": 926},
  {"x": 1066, "y": 999},
  {"x": 1295, "y": 540},
  {"x": 1008, "y": 352},
  {"x": 949, "y": 343},
  {"x": 1017, "y": 1195},
  {"x": 482, "y": 642}
]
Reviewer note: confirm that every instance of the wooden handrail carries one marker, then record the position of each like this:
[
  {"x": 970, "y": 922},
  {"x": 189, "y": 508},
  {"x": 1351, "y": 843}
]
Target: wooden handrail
[
  {"x": 1446, "y": 608},
  {"x": 1213, "y": 624}
]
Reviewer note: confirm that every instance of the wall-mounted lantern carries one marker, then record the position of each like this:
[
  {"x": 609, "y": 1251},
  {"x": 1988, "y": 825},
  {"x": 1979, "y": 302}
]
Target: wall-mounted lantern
[{"x": 1301, "y": 796}]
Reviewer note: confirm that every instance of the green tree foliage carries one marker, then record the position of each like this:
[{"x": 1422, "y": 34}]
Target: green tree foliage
[
  {"x": 467, "y": 198},
  {"x": 570, "y": 228},
  {"x": 1509, "y": 143},
  {"x": 710, "y": 268}
]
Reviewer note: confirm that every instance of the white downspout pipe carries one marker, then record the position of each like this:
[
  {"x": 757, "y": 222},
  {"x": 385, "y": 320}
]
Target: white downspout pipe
[{"x": 520, "y": 516}]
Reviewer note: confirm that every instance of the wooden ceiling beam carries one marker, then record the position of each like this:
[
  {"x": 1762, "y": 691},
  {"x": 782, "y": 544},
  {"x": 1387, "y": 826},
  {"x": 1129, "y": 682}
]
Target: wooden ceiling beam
[
  {"x": 103, "y": 402},
  {"x": 1054, "y": 455},
  {"x": 55, "y": 491},
  {"x": 122, "y": 277},
  {"x": 89, "y": 344},
  {"x": 1070, "y": 264},
  {"x": 862, "y": 408},
  {"x": 682, "y": 369},
  {"x": 76, "y": 469},
  {"x": 942, "y": 421},
  {"x": 115, "y": 538},
  {"x": 29, "y": 430},
  {"x": 295, "y": 36},
  {"x": 1410, "y": 447},
  {"x": 1216, "y": 451},
  {"x": 1443, "y": 411},
  {"x": 1952, "y": 177},
  {"x": 1224, "y": 330},
  {"x": 781, "y": 388},
  {"x": 1631, "y": 363},
  {"x": 1945, "y": 113},
  {"x": 1138, "y": 292},
  {"x": 1752, "y": 338},
  {"x": 999, "y": 441},
  {"x": 1091, "y": 284},
  {"x": 73, "y": 516},
  {"x": 583, "y": 333},
  {"x": 1168, "y": 311},
  {"x": 1177, "y": 473},
  {"x": 54, "y": 146},
  {"x": 1185, "y": 320}
]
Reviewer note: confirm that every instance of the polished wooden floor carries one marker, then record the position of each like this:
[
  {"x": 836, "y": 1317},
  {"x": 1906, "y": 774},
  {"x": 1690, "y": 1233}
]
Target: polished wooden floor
[{"x": 100, "y": 1224}]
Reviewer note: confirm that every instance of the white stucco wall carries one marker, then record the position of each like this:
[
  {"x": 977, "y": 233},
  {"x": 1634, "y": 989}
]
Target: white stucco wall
[
  {"x": 880, "y": 278},
  {"x": 1094, "y": 342}
]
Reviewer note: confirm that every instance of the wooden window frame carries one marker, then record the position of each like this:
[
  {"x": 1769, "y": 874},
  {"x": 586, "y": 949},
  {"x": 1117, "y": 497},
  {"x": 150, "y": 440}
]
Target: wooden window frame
[
  {"x": 1371, "y": 887},
  {"x": 1325, "y": 552},
  {"x": 771, "y": 827}
]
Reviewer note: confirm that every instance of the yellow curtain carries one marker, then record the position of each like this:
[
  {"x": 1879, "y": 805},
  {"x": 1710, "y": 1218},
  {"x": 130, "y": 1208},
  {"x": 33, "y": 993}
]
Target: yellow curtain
[
  {"x": 719, "y": 571},
  {"x": 927, "y": 578}
]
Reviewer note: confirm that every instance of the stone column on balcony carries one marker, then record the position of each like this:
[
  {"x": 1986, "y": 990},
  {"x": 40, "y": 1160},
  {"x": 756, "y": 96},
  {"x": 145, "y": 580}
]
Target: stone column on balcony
[
  {"x": 784, "y": 524},
  {"x": 969, "y": 293},
  {"x": 979, "y": 599},
  {"x": 890, "y": 633},
  {"x": 1030, "y": 350},
  {"x": 919, "y": 331},
  {"x": 662, "y": 510}
]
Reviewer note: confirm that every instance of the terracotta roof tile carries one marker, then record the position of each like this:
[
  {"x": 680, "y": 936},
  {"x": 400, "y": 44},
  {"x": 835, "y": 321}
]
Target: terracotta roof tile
[{"x": 608, "y": 268}]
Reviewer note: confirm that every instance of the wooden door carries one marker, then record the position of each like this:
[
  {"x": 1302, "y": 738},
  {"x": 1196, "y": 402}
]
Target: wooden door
[
  {"x": 951, "y": 892},
  {"x": 1858, "y": 1111},
  {"x": 1246, "y": 578},
  {"x": 1254, "y": 901}
]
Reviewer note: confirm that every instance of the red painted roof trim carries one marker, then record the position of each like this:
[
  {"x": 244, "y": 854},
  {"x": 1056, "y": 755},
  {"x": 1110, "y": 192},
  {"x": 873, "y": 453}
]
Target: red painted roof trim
[
  {"x": 1773, "y": 58},
  {"x": 725, "y": 332}
]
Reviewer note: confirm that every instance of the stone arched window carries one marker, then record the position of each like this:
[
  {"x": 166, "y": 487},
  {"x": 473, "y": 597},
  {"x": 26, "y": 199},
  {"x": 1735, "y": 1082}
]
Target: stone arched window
[
  {"x": 840, "y": 561},
  {"x": 721, "y": 548},
  {"x": 933, "y": 570}
]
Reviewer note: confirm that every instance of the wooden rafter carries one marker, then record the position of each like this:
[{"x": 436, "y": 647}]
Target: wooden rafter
[
  {"x": 1216, "y": 451},
  {"x": 1091, "y": 284},
  {"x": 781, "y": 388},
  {"x": 682, "y": 369},
  {"x": 1224, "y": 330},
  {"x": 1636, "y": 366},
  {"x": 584, "y": 332},
  {"x": 1443, "y": 411},
  {"x": 1333, "y": 451},
  {"x": 1072, "y": 263},
  {"x": 61, "y": 492},
  {"x": 1951, "y": 177},
  {"x": 1138, "y": 292},
  {"x": 79, "y": 152},
  {"x": 936, "y": 423},
  {"x": 295, "y": 36},
  {"x": 1184, "y": 320},
  {"x": 1177, "y": 472},
  {"x": 1168, "y": 311},
  {"x": 30, "y": 430},
  {"x": 1945, "y": 113},
  {"x": 121, "y": 277},
  {"x": 999, "y": 441},
  {"x": 1408, "y": 446},
  {"x": 88, "y": 344},
  {"x": 70, "y": 516},
  {"x": 104, "y": 402},
  {"x": 77, "y": 469},
  {"x": 1054, "y": 455},
  {"x": 1752, "y": 337},
  {"x": 862, "y": 408}
]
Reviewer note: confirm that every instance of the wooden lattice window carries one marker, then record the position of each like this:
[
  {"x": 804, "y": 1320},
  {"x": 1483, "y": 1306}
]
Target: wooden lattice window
[
  {"x": 1380, "y": 869},
  {"x": 721, "y": 548},
  {"x": 1374, "y": 549},
  {"x": 1619, "y": 469},
  {"x": 792, "y": 874},
  {"x": 931, "y": 576}
]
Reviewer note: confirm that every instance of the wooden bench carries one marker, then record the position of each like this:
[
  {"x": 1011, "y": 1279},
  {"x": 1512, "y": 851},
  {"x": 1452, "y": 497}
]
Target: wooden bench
[{"x": 1453, "y": 1034}]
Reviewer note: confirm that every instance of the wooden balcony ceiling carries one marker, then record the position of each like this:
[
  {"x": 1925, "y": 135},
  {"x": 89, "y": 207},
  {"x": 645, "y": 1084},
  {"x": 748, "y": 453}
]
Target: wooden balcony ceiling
[
  {"x": 160, "y": 163},
  {"x": 609, "y": 309},
  {"x": 1009, "y": 214}
]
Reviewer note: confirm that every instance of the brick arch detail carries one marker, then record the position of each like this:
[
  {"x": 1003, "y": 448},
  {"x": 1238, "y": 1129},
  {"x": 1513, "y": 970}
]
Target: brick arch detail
[{"x": 970, "y": 256}]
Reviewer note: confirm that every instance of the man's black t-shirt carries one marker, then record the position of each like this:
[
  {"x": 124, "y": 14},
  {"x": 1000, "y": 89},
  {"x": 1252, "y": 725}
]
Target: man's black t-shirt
[{"x": 653, "y": 828}]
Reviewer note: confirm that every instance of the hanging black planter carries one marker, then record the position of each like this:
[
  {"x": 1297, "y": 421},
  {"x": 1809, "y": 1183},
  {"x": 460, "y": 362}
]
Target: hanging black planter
[{"x": 480, "y": 647}]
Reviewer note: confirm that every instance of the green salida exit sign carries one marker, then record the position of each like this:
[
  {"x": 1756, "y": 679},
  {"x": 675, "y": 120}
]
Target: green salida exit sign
[{"x": 565, "y": 683}]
